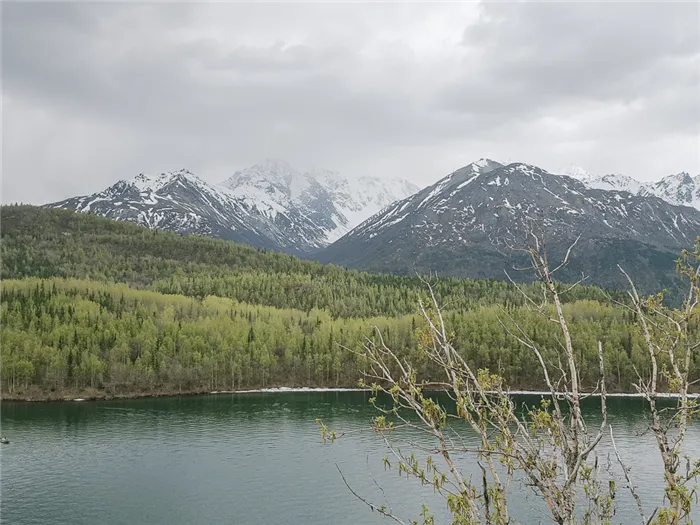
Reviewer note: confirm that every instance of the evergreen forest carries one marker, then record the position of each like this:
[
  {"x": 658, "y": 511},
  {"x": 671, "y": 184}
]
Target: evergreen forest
[{"x": 94, "y": 307}]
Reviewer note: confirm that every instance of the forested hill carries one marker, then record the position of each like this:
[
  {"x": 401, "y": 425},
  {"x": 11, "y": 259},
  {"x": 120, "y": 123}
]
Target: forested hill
[
  {"x": 92, "y": 307},
  {"x": 43, "y": 242}
]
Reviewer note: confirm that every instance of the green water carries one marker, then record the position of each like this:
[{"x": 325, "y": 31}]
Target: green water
[{"x": 236, "y": 459}]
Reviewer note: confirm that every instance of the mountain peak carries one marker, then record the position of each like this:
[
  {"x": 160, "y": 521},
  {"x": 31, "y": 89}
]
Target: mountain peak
[
  {"x": 154, "y": 183},
  {"x": 484, "y": 162},
  {"x": 182, "y": 172},
  {"x": 271, "y": 172},
  {"x": 680, "y": 189},
  {"x": 521, "y": 168},
  {"x": 576, "y": 172},
  {"x": 684, "y": 177},
  {"x": 334, "y": 203},
  {"x": 465, "y": 223}
]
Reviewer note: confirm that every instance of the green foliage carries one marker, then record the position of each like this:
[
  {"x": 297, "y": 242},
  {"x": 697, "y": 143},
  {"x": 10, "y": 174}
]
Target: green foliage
[
  {"x": 72, "y": 334},
  {"x": 89, "y": 302},
  {"x": 42, "y": 242}
]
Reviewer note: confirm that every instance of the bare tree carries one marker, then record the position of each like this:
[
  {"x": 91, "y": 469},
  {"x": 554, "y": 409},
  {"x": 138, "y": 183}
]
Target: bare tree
[
  {"x": 671, "y": 339},
  {"x": 548, "y": 445}
]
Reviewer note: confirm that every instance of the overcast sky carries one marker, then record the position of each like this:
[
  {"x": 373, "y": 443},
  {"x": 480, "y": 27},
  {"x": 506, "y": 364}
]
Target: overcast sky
[{"x": 94, "y": 92}]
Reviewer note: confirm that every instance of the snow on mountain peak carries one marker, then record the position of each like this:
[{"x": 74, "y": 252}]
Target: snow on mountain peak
[
  {"x": 154, "y": 183},
  {"x": 272, "y": 205},
  {"x": 465, "y": 223},
  {"x": 484, "y": 162},
  {"x": 609, "y": 182},
  {"x": 576, "y": 172},
  {"x": 615, "y": 182},
  {"x": 270, "y": 172},
  {"x": 679, "y": 189},
  {"x": 680, "y": 178},
  {"x": 334, "y": 203},
  {"x": 145, "y": 183}
]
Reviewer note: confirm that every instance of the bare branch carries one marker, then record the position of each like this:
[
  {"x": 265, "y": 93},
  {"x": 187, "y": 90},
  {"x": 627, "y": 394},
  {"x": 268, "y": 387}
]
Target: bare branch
[{"x": 371, "y": 505}]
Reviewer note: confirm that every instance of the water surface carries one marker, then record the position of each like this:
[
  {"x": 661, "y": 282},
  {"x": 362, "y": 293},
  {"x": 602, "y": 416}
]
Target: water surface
[{"x": 237, "y": 459}]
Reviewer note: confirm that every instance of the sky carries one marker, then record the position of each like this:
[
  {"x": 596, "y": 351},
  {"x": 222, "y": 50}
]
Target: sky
[{"x": 96, "y": 92}]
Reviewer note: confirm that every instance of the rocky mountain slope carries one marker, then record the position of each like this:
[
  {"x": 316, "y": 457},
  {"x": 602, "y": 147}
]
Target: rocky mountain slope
[
  {"x": 177, "y": 201},
  {"x": 335, "y": 204},
  {"x": 268, "y": 205},
  {"x": 680, "y": 189},
  {"x": 462, "y": 225},
  {"x": 466, "y": 224}
]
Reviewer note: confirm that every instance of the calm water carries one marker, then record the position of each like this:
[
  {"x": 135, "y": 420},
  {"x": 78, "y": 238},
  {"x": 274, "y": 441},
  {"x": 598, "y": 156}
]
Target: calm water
[{"x": 234, "y": 459}]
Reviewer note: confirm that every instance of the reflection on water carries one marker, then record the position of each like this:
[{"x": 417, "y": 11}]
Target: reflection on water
[{"x": 235, "y": 459}]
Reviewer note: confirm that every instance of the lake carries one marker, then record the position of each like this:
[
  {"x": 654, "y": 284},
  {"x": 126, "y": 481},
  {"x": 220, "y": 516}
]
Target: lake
[{"x": 239, "y": 459}]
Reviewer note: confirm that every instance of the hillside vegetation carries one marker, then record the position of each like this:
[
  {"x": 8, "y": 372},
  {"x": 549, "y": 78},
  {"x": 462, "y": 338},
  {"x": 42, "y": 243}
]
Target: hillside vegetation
[
  {"x": 96, "y": 307},
  {"x": 43, "y": 242}
]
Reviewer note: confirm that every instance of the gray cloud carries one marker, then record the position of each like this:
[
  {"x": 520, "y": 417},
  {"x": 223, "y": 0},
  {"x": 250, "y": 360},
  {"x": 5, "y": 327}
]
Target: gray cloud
[{"x": 96, "y": 92}]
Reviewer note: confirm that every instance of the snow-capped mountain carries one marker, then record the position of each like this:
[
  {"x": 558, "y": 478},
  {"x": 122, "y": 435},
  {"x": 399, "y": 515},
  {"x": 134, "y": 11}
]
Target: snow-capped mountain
[
  {"x": 177, "y": 201},
  {"x": 335, "y": 204},
  {"x": 466, "y": 223},
  {"x": 575, "y": 172},
  {"x": 269, "y": 205},
  {"x": 680, "y": 189},
  {"x": 462, "y": 225},
  {"x": 615, "y": 182}
]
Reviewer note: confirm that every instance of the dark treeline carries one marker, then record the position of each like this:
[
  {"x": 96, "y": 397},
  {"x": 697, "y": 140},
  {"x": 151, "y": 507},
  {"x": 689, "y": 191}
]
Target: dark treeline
[
  {"x": 90, "y": 304},
  {"x": 41, "y": 242}
]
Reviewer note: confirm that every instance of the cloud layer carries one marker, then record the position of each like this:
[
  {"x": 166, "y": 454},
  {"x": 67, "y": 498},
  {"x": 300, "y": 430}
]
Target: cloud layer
[{"x": 96, "y": 92}]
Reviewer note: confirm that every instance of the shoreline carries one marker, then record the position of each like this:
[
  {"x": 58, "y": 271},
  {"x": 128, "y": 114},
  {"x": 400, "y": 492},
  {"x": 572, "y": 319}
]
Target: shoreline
[{"x": 97, "y": 395}]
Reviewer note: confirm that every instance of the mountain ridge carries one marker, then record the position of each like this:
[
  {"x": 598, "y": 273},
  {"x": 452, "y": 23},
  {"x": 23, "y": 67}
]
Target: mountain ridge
[
  {"x": 176, "y": 201},
  {"x": 335, "y": 203},
  {"x": 480, "y": 208},
  {"x": 269, "y": 205},
  {"x": 680, "y": 189},
  {"x": 465, "y": 224}
]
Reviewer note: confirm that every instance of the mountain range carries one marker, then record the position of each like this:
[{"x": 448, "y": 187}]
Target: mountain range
[
  {"x": 269, "y": 205},
  {"x": 463, "y": 225},
  {"x": 680, "y": 189},
  {"x": 467, "y": 223}
]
